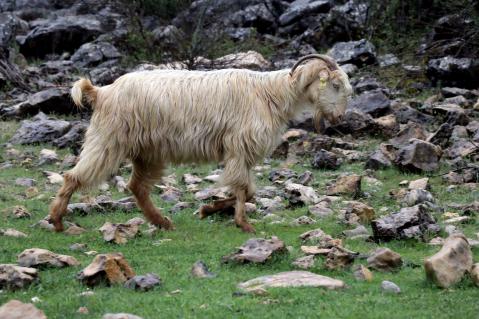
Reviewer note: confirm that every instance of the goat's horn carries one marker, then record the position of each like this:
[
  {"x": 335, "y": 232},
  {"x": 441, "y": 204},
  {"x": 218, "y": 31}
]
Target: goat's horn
[{"x": 326, "y": 59}]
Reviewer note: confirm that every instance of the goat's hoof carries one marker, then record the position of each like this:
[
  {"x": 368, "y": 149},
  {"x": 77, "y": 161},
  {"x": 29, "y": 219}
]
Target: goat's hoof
[
  {"x": 58, "y": 225},
  {"x": 167, "y": 225},
  {"x": 247, "y": 228}
]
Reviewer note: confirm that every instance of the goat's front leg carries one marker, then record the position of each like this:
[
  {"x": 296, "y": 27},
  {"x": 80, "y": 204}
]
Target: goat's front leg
[{"x": 240, "y": 212}]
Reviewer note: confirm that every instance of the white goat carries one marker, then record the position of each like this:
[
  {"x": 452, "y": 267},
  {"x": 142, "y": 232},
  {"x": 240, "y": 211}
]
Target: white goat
[{"x": 159, "y": 117}]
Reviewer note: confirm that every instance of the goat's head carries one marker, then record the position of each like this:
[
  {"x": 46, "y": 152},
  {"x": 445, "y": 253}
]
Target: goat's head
[{"x": 323, "y": 85}]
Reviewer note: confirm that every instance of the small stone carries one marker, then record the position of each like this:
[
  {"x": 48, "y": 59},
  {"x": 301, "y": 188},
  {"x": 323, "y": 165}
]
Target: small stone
[
  {"x": 303, "y": 220},
  {"x": 305, "y": 262},
  {"x": 15, "y": 309},
  {"x": 47, "y": 157},
  {"x": 346, "y": 185},
  {"x": 448, "y": 266},
  {"x": 20, "y": 212},
  {"x": 53, "y": 178},
  {"x": 390, "y": 287},
  {"x": 325, "y": 160},
  {"x": 26, "y": 182},
  {"x": 15, "y": 277},
  {"x": 298, "y": 194},
  {"x": 74, "y": 230},
  {"x": 321, "y": 210},
  {"x": 180, "y": 206},
  {"x": 257, "y": 250},
  {"x": 119, "y": 233},
  {"x": 291, "y": 279},
  {"x": 120, "y": 316},
  {"x": 313, "y": 235},
  {"x": 83, "y": 311},
  {"x": 364, "y": 212},
  {"x": 359, "y": 232},
  {"x": 191, "y": 179},
  {"x": 10, "y": 232},
  {"x": 362, "y": 273},
  {"x": 37, "y": 257},
  {"x": 110, "y": 268},
  {"x": 78, "y": 247},
  {"x": 422, "y": 183},
  {"x": 120, "y": 184},
  {"x": 171, "y": 194},
  {"x": 384, "y": 259},
  {"x": 214, "y": 178},
  {"x": 458, "y": 220},
  {"x": 417, "y": 196},
  {"x": 338, "y": 258},
  {"x": 143, "y": 283},
  {"x": 31, "y": 192},
  {"x": 200, "y": 270}
]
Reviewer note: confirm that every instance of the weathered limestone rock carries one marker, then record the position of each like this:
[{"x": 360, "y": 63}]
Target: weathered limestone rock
[
  {"x": 419, "y": 156},
  {"x": 305, "y": 262},
  {"x": 298, "y": 194},
  {"x": 10, "y": 232},
  {"x": 417, "y": 196},
  {"x": 120, "y": 233},
  {"x": 449, "y": 265},
  {"x": 257, "y": 250},
  {"x": 362, "y": 273},
  {"x": 384, "y": 259},
  {"x": 325, "y": 160},
  {"x": 338, "y": 258},
  {"x": 291, "y": 279},
  {"x": 37, "y": 257},
  {"x": 390, "y": 287},
  {"x": 110, "y": 268},
  {"x": 15, "y": 309},
  {"x": 143, "y": 283},
  {"x": 16, "y": 277},
  {"x": 349, "y": 184},
  {"x": 422, "y": 183},
  {"x": 200, "y": 270},
  {"x": 361, "y": 211}
]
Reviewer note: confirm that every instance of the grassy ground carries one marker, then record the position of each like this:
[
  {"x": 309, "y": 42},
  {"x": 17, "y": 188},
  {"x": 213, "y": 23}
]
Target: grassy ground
[{"x": 182, "y": 296}]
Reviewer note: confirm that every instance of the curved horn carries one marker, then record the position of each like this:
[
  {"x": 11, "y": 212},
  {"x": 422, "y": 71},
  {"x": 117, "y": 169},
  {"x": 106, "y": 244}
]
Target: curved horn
[{"x": 326, "y": 59}]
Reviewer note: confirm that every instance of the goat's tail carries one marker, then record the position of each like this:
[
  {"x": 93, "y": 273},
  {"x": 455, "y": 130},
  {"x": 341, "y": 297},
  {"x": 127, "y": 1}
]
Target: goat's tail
[{"x": 84, "y": 90}]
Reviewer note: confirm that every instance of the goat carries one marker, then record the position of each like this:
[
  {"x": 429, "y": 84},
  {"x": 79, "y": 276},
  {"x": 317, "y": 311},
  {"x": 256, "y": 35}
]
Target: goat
[{"x": 155, "y": 118}]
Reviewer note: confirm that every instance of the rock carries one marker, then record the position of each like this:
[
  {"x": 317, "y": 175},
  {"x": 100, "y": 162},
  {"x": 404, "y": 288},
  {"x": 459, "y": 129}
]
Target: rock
[
  {"x": 271, "y": 205},
  {"x": 448, "y": 266},
  {"x": 37, "y": 257},
  {"x": 211, "y": 194},
  {"x": 381, "y": 158},
  {"x": 180, "y": 206},
  {"x": 47, "y": 157},
  {"x": 20, "y": 212},
  {"x": 451, "y": 113},
  {"x": 305, "y": 262},
  {"x": 404, "y": 114},
  {"x": 281, "y": 174},
  {"x": 200, "y": 270},
  {"x": 25, "y": 182},
  {"x": 10, "y": 232},
  {"x": 103, "y": 205},
  {"x": 143, "y": 283},
  {"x": 412, "y": 130},
  {"x": 120, "y": 184},
  {"x": 388, "y": 59},
  {"x": 409, "y": 222},
  {"x": 422, "y": 183},
  {"x": 53, "y": 178},
  {"x": 338, "y": 258},
  {"x": 110, "y": 268},
  {"x": 458, "y": 220},
  {"x": 191, "y": 179},
  {"x": 313, "y": 236},
  {"x": 325, "y": 160},
  {"x": 461, "y": 148},
  {"x": 303, "y": 220},
  {"x": 171, "y": 194},
  {"x": 390, "y": 287},
  {"x": 40, "y": 129},
  {"x": 417, "y": 196},
  {"x": 305, "y": 178},
  {"x": 257, "y": 250},
  {"x": 321, "y": 209},
  {"x": 15, "y": 277},
  {"x": 362, "y": 273},
  {"x": 362, "y": 211},
  {"x": 120, "y": 233},
  {"x": 359, "y": 232},
  {"x": 360, "y": 52},
  {"x": 51, "y": 100},
  {"x": 475, "y": 274},
  {"x": 73, "y": 138},
  {"x": 301, "y": 8},
  {"x": 387, "y": 125},
  {"x": 59, "y": 35},
  {"x": 374, "y": 103},
  {"x": 384, "y": 259},
  {"x": 94, "y": 53},
  {"x": 120, "y": 316},
  {"x": 349, "y": 185},
  {"x": 74, "y": 230},
  {"x": 451, "y": 71},
  {"x": 418, "y": 156},
  {"x": 15, "y": 309},
  {"x": 298, "y": 194},
  {"x": 78, "y": 247},
  {"x": 291, "y": 279},
  {"x": 243, "y": 60}
]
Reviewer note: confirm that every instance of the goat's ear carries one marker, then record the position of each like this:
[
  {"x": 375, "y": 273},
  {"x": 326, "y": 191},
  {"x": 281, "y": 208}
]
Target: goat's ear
[{"x": 305, "y": 75}]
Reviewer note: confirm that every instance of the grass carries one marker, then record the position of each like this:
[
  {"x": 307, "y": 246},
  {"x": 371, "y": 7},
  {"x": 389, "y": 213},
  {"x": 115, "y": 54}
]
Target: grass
[{"x": 182, "y": 296}]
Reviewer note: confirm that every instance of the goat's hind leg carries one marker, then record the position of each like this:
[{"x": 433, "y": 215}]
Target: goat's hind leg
[
  {"x": 143, "y": 177},
  {"x": 58, "y": 208}
]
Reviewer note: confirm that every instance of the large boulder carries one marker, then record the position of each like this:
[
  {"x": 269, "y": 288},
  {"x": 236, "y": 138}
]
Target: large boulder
[
  {"x": 461, "y": 72},
  {"x": 15, "y": 309},
  {"x": 360, "y": 52},
  {"x": 40, "y": 129},
  {"x": 409, "y": 222},
  {"x": 418, "y": 156},
  {"x": 62, "y": 34}
]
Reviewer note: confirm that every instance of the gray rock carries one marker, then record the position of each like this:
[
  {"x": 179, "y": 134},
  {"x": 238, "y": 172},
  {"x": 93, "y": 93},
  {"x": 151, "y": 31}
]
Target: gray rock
[
  {"x": 409, "y": 222},
  {"x": 40, "y": 129},
  {"x": 8, "y": 26},
  {"x": 300, "y": 8},
  {"x": 360, "y": 52},
  {"x": 417, "y": 196},
  {"x": 374, "y": 103},
  {"x": 73, "y": 138},
  {"x": 390, "y": 287},
  {"x": 26, "y": 182},
  {"x": 451, "y": 71},
  {"x": 325, "y": 160},
  {"x": 359, "y": 232},
  {"x": 60, "y": 34},
  {"x": 418, "y": 156},
  {"x": 305, "y": 262},
  {"x": 257, "y": 250},
  {"x": 410, "y": 131},
  {"x": 15, "y": 277},
  {"x": 143, "y": 283},
  {"x": 298, "y": 194},
  {"x": 321, "y": 209},
  {"x": 281, "y": 174},
  {"x": 37, "y": 257},
  {"x": 388, "y": 59},
  {"x": 120, "y": 316},
  {"x": 15, "y": 309},
  {"x": 93, "y": 53},
  {"x": 384, "y": 259}
]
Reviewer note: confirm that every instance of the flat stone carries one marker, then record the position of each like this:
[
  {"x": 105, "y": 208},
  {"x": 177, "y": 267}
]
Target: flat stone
[
  {"x": 200, "y": 270},
  {"x": 15, "y": 277},
  {"x": 120, "y": 316},
  {"x": 15, "y": 309},
  {"x": 362, "y": 273},
  {"x": 291, "y": 279},
  {"x": 418, "y": 156},
  {"x": 257, "y": 250},
  {"x": 109, "y": 268},
  {"x": 422, "y": 183},
  {"x": 143, "y": 283},
  {"x": 298, "y": 194},
  {"x": 349, "y": 185},
  {"x": 37, "y": 257},
  {"x": 120, "y": 233},
  {"x": 448, "y": 266},
  {"x": 40, "y": 129},
  {"x": 390, "y": 287},
  {"x": 384, "y": 259},
  {"x": 305, "y": 262},
  {"x": 362, "y": 211},
  {"x": 321, "y": 209},
  {"x": 26, "y": 182},
  {"x": 20, "y": 212},
  {"x": 10, "y": 232}
]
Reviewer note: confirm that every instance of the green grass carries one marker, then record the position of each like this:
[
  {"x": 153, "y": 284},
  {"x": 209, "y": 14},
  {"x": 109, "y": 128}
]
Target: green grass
[{"x": 209, "y": 240}]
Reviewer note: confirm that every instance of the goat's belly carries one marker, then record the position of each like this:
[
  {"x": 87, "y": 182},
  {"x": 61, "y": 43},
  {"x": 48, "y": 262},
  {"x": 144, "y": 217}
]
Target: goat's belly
[{"x": 190, "y": 152}]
